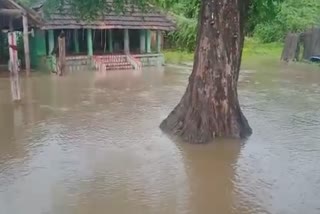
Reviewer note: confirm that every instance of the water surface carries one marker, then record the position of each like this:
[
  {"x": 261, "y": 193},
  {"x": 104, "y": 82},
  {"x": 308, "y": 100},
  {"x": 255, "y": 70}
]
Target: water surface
[{"x": 90, "y": 143}]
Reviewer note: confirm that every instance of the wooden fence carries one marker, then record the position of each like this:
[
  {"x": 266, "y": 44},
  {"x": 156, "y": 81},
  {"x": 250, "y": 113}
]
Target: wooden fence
[{"x": 309, "y": 41}]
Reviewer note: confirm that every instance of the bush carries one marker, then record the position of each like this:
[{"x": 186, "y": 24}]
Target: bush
[
  {"x": 269, "y": 32},
  {"x": 184, "y": 37},
  {"x": 292, "y": 16}
]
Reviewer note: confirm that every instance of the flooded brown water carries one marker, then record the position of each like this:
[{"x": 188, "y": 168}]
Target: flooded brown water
[{"x": 89, "y": 143}]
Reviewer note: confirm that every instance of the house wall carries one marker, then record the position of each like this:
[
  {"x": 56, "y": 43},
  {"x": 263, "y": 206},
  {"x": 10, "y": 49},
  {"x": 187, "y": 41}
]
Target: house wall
[
  {"x": 38, "y": 49},
  {"x": 154, "y": 40}
]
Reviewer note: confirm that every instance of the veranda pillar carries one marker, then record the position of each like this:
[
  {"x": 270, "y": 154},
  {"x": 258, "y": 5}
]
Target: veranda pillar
[
  {"x": 148, "y": 41},
  {"x": 51, "y": 41},
  {"x": 89, "y": 42},
  {"x": 110, "y": 40},
  {"x": 26, "y": 43},
  {"x": 126, "y": 41},
  {"x": 76, "y": 41},
  {"x": 158, "y": 41},
  {"x": 142, "y": 41}
]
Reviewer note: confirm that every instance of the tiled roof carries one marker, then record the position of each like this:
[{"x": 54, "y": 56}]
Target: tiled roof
[
  {"x": 33, "y": 18},
  {"x": 133, "y": 18}
]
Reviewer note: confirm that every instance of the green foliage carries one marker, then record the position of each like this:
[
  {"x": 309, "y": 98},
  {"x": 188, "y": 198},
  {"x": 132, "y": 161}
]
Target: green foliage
[
  {"x": 291, "y": 16},
  {"x": 185, "y": 8},
  {"x": 184, "y": 37},
  {"x": 299, "y": 14},
  {"x": 261, "y": 11},
  {"x": 185, "y": 13},
  {"x": 269, "y": 32},
  {"x": 268, "y": 20}
]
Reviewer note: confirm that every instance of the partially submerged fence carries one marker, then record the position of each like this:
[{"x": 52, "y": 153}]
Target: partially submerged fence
[{"x": 309, "y": 41}]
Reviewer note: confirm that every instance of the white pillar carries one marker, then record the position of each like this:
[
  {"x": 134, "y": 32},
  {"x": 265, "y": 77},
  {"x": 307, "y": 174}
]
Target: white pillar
[
  {"x": 110, "y": 41},
  {"x": 51, "y": 41},
  {"x": 76, "y": 40},
  {"x": 148, "y": 41},
  {"x": 89, "y": 42},
  {"x": 126, "y": 41},
  {"x": 158, "y": 41},
  {"x": 26, "y": 43},
  {"x": 142, "y": 41}
]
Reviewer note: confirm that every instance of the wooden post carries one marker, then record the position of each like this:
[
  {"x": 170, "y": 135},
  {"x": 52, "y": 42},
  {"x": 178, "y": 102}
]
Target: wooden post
[
  {"x": 110, "y": 40},
  {"x": 51, "y": 41},
  {"x": 142, "y": 41},
  {"x": 26, "y": 43},
  {"x": 89, "y": 42},
  {"x": 126, "y": 41},
  {"x": 291, "y": 47},
  {"x": 76, "y": 41},
  {"x": 148, "y": 40},
  {"x": 14, "y": 66},
  {"x": 62, "y": 54},
  {"x": 158, "y": 41}
]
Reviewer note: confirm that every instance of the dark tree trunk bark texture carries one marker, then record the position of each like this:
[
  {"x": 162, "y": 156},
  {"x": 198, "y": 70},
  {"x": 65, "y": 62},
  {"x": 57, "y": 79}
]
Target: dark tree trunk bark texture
[{"x": 210, "y": 107}]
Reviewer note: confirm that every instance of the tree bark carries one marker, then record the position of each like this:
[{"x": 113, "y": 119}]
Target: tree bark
[{"x": 210, "y": 107}]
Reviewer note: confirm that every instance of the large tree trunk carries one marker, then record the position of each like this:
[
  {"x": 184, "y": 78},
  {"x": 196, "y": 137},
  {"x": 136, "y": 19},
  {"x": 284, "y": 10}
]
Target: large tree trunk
[{"x": 210, "y": 106}]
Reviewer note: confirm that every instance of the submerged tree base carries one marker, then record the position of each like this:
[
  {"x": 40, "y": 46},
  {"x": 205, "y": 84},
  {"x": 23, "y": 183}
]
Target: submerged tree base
[
  {"x": 205, "y": 121},
  {"x": 191, "y": 133}
]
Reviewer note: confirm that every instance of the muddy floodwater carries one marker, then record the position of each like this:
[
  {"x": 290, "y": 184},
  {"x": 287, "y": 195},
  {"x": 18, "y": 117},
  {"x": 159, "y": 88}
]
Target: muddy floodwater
[{"x": 89, "y": 143}]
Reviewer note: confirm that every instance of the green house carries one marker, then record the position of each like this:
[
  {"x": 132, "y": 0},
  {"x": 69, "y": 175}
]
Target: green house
[{"x": 127, "y": 33}]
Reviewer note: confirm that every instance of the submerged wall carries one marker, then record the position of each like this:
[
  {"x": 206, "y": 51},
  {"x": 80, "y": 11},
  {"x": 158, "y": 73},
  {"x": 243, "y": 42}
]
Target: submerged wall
[{"x": 149, "y": 60}]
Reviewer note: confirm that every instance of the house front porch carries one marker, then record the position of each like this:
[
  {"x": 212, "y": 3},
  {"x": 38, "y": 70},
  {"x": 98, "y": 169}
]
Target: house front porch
[{"x": 115, "y": 49}]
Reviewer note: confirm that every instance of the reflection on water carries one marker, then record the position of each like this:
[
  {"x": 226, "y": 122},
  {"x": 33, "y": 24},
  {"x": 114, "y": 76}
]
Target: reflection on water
[{"x": 90, "y": 143}]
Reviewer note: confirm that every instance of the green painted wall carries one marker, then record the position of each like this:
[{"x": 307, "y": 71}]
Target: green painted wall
[{"x": 37, "y": 48}]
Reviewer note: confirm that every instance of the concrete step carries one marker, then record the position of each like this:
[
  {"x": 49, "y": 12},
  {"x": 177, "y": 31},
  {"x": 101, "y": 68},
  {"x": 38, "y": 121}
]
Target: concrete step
[
  {"x": 113, "y": 61},
  {"x": 114, "y": 64},
  {"x": 120, "y": 67},
  {"x": 78, "y": 67}
]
